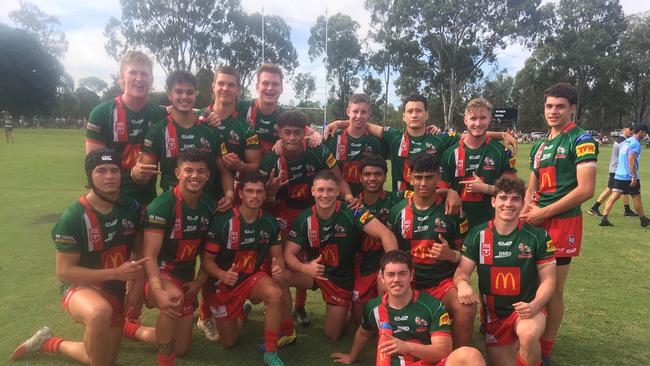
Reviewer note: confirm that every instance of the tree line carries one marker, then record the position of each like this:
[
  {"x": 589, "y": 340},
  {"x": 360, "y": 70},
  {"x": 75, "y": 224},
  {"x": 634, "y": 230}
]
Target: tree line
[{"x": 446, "y": 50}]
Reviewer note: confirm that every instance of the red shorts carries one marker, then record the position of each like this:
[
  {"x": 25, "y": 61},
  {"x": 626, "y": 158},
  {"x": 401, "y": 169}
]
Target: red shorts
[
  {"x": 441, "y": 289},
  {"x": 117, "y": 318},
  {"x": 333, "y": 294},
  {"x": 365, "y": 287},
  {"x": 566, "y": 233},
  {"x": 285, "y": 216},
  {"x": 501, "y": 331},
  {"x": 226, "y": 304},
  {"x": 188, "y": 304}
]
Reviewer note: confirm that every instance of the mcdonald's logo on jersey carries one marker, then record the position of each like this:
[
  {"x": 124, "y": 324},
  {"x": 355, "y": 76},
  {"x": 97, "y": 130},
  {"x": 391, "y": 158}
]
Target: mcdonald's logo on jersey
[
  {"x": 330, "y": 255},
  {"x": 505, "y": 280},
  {"x": 351, "y": 172},
  {"x": 245, "y": 261},
  {"x": 113, "y": 257},
  {"x": 368, "y": 243},
  {"x": 186, "y": 250},
  {"x": 298, "y": 192},
  {"x": 421, "y": 252},
  {"x": 547, "y": 179}
]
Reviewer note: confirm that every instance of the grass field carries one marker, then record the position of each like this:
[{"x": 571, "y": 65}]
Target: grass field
[{"x": 607, "y": 297}]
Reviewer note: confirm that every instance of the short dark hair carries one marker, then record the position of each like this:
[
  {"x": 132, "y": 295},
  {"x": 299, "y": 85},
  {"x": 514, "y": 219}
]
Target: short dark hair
[
  {"x": 562, "y": 90},
  {"x": 359, "y": 98},
  {"x": 229, "y": 70},
  {"x": 251, "y": 177},
  {"x": 180, "y": 76},
  {"x": 395, "y": 256},
  {"x": 640, "y": 127},
  {"x": 193, "y": 155},
  {"x": 326, "y": 174},
  {"x": 292, "y": 118},
  {"x": 414, "y": 97},
  {"x": 374, "y": 160},
  {"x": 424, "y": 162},
  {"x": 271, "y": 69},
  {"x": 510, "y": 184}
]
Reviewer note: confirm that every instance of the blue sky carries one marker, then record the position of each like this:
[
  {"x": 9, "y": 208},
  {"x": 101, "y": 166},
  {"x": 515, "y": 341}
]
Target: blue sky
[{"x": 84, "y": 22}]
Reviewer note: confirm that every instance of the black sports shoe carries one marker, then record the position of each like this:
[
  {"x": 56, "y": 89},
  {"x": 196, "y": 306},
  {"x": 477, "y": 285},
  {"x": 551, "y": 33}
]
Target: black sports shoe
[
  {"x": 645, "y": 221},
  {"x": 630, "y": 213},
  {"x": 595, "y": 211},
  {"x": 605, "y": 222},
  {"x": 301, "y": 317}
]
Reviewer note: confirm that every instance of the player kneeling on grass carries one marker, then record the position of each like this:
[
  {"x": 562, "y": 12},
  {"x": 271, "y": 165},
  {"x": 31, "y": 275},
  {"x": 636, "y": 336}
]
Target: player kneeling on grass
[
  {"x": 174, "y": 227},
  {"x": 94, "y": 240},
  {"x": 330, "y": 233},
  {"x": 237, "y": 245},
  {"x": 414, "y": 327},
  {"x": 516, "y": 278}
]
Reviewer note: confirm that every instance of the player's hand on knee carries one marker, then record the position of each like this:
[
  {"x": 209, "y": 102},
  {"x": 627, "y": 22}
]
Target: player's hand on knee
[
  {"x": 525, "y": 310},
  {"x": 277, "y": 272},
  {"x": 230, "y": 277},
  {"x": 344, "y": 358},
  {"x": 192, "y": 288},
  {"x": 466, "y": 294},
  {"x": 170, "y": 303}
]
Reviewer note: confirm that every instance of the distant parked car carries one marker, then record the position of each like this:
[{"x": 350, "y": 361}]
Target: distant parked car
[{"x": 537, "y": 135}]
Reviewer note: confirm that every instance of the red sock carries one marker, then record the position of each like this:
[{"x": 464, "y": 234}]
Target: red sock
[
  {"x": 168, "y": 360},
  {"x": 204, "y": 309},
  {"x": 547, "y": 346},
  {"x": 301, "y": 298},
  {"x": 130, "y": 329},
  {"x": 286, "y": 327},
  {"x": 271, "y": 340},
  {"x": 521, "y": 362},
  {"x": 52, "y": 345}
]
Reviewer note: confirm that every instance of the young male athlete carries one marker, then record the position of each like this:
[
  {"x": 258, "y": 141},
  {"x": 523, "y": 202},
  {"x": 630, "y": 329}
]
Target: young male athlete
[
  {"x": 330, "y": 234},
  {"x": 181, "y": 130},
  {"x": 174, "y": 227},
  {"x": 413, "y": 140},
  {"x": 9, "y": 126},
  {"x": 350, "y": 145},
  {"x": 562, "y": 177},
  {"x": 122, "y": 123},
  {"x": 95, "y": 240},
  {"x": 237, "y": 245},
  {"x": 473, "y": 164},
  {"x": 626, "y": 178},
  {"x": 433, "y": 239},
  {"x": 516, "y": 278},
  {"x": 626, "y": 132},
  {"x": 413, "y": 326}
]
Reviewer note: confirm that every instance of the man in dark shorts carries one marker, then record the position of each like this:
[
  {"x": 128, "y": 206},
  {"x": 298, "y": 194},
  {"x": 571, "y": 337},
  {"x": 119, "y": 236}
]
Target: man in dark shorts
[
  {"x": 516, "y": 278},
  {"x": 330, "y": 235},
  {"x": 95, "y": 241},
  {"x": 413, "y": 326},
  {"x": 626, "y": 178},
  {"x": 562, "y": 177}
]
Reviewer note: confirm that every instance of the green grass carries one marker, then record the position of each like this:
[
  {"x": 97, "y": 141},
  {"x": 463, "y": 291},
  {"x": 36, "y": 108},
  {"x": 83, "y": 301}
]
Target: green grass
[{"x": 607, "y": 294}]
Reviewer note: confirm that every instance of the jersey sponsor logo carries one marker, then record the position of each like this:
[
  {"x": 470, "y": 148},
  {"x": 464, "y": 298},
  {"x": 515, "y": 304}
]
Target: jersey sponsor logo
[
  {"x": 157, "y": 220},
  {"x": 505, "y": 280},
  {"x": 234, "y": 138},
  {"x": 585, "y": 149},
  {"x": 351, "y": 172},
  {"x": 331, "y": 161},
  {"x": 64, "y": 239},
  {"x": 503, "y": 254},
  {"x": 187, "y": 137},
  {"x": 114, "y": 257},
  {"x": 572, "y": 239},
  {"x": 339, "y": 231},
  {"x": 585, "y": 137},
  {"x": 486, "y": 249},
  {"x": 368, "y": 244},
  {"x": 187, "y": 249},
  {"x": 245, "y": 261},
  {"x": 401, "y": 318},
  {"x": 488, "y": 163},
  {"x": 549, "y": 246},
  {"x": 524, "y": 251},
  {"x": 441, "y": 226},
  {"x": 467, "y": 196},
  {"x": 421, "y": 322},
  {"x": 330, "y": 255},
  {"x": 571, "y": 250},
  {"x": 464, "y": 226},
  {"x": 444, "y": 320},
  {"x": 504, "y": 243},
  {"x": 93, "y": 127},
  {"x": 110, "y": 223},
  {"x": 223, "y": 148},
  {"x": 253, "y": 140},
  {"x": 219, "y": 311},
  {"x": 547, "y": 179},
  {"x": 298, "y": 192},
  {"x": 421, "y": 252},
  {"x": 265, "y": 238},
  {"x": 367, "y": 216}
]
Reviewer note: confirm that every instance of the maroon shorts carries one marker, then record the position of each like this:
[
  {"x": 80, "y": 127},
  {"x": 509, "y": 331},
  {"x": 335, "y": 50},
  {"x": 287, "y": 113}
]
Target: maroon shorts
[
  {"x": 441, "y": 289},
  {"x": 285, "y": 216},
  {"x": 566, "y": 233},
  {"x": 365, "y": 287},
  {"x": 117, "y": 318},
  {"x": 501, "y": 331},
  {"x": 333, "y": 294},
  {"x": 188, "y": 304},
  {"x": 227, "y": 304}
]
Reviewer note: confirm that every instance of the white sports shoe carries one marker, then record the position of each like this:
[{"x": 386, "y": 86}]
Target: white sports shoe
[{"x": 209, "y": 328}]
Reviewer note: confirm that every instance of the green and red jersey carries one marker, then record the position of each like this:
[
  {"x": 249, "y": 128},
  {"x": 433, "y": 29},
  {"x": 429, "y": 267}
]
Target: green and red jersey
[
  {"x": 424, "y": 317},
  {"x": 234, "y": 241},
  {"x": 489, "y": 161},
  {"x": 336, "y": 240},
  {"x": 402, "y": 146},
  {"x": 371, "y": 248},
  {"x": 349, "y": 151},
  {"x": 234, "y": 135},
  {"x": 117, "y": 127},
  {"x": 301, "y": 172},
  {"x": 417, "y": 230},
  {"x": 507, "y": 264},
  {"x": 103, "y": 240},
  {"x": 554, "y": 164},
  {"x": 183, "y": 229},
  {"x": 264, "y": 125}
]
